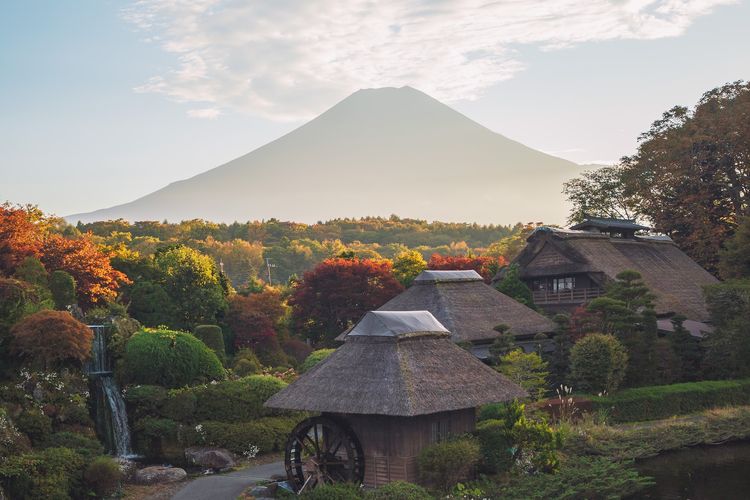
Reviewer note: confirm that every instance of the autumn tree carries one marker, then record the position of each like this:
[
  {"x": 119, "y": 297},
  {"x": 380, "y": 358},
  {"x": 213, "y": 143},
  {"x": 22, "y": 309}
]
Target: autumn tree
[
  {"x": 50, "y": 338},
  {"x": 338, "y": 292},
  {"x": 487, "y": 267},
  {"x": 407, "y": 265},
  {"x": 255, "y": 319},
  {"x": 19, "y": 237},
  {"x": 691, "y": 174},
  {"x": 508, "y": 247},
  {"x": 96, "y": 280},
  {"x": 734, "y": 258}
]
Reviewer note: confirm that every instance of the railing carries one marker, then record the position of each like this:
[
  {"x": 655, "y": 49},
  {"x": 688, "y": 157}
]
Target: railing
[{"x": 574, "y": 295}]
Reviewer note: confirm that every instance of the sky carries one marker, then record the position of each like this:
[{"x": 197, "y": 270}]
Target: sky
[{"x": 102, "y": 102}]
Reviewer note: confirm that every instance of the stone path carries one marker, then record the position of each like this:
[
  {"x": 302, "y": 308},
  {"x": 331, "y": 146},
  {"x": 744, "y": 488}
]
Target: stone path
[{"x": 228, "y": 486}]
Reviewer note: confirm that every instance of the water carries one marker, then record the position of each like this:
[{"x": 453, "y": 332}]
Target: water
[
  {"x": 111, "y": 417},
  {"x": 700, "y": 473}
]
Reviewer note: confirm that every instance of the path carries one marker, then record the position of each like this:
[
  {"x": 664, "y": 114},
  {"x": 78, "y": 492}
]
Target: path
[{"x": 228, "y": 486}]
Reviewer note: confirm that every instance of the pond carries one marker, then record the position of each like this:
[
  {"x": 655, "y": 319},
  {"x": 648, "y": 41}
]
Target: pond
[{"x": 703, "y": 472}]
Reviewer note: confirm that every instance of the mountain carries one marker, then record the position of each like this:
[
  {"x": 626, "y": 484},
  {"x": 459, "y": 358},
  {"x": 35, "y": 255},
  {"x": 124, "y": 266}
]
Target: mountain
[{"x": 378, "y": 152}]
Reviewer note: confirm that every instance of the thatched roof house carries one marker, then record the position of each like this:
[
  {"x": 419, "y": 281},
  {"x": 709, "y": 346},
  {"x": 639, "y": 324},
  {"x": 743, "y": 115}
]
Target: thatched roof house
[
  {"x": 468, "y": 307},
  {"x": 395, "y": 386},
  {"x": 566, "y": 268},
  {"x": 396, "y": 363}
]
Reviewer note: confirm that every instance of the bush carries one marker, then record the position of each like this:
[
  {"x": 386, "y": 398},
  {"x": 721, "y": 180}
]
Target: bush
[
  {"x": 314, "y": 358},
  {"x": 144, "y": 400},
  {"x": 103, "y": 476},
  {"x": 54, "y": 473},
  {"x": 211, "y": 336},
  {"x": 268, "y": 434},
  {"x": 598, "y": 363},
  {"x": 527, "y": 370},
  {"x": 398, "y": 490},
  {"x": 12, "y": 442},
  {"x": 180, "y": 405},
  {"x": 442, "y": 465},
  {"x": 237, "y": 400},
  {"x": 297, "y": 350},
  {"x": 579, "y": 477},
  {"x": 63, "y": 288},
  {"x": 169, "y": 358},
  {"x": 537, "y": 444},
  {"x": 84, "y": 446},
  {"x": 35, "y": 424},
  {"x": 495, "y": 443},
  {"x": 152, "y": 436},
  {"x": 50, "y": 338},
  {"x": 336, "y": 491},
  {"x": 246, "y": 363},
  {"x": 664, "y": 401}
]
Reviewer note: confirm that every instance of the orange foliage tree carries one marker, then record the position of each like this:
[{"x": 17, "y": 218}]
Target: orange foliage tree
[
  {"x": 19, "y": 237},
  {"x": 487, "y": 267},
  {"x": 338, "y": 292},
  {"x": 50, "y": 338},
  {"x": 95, "y": 277}
]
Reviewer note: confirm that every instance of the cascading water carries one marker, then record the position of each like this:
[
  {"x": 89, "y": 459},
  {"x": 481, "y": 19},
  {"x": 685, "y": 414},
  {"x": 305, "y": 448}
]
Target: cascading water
[{"x": 111, "y": 417}]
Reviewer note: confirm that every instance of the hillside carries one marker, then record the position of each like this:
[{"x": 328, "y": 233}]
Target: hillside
[{"x": 378, "y": 152}]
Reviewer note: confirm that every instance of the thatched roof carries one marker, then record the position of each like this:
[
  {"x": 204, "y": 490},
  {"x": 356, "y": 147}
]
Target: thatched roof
[
  {"x": 399, "y": 364},
  {"x": 607, "y": 223},
  {"x": 467, "y": 306},
  {"x": 675, "y": 279}
]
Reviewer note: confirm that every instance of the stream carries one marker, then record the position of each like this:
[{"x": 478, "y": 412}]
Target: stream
[{"x": 718, "y": 472}]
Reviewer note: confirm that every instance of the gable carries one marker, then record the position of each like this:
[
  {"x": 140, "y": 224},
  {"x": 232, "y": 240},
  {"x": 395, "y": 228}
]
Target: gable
[{"x": 548, "y": 257}]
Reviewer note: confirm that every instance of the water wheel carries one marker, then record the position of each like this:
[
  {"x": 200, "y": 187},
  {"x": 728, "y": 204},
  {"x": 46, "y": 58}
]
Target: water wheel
[{"x": 322, "y": 450}]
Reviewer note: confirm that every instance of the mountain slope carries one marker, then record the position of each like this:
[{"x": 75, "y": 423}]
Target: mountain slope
[{"x": 378, "y": 152}]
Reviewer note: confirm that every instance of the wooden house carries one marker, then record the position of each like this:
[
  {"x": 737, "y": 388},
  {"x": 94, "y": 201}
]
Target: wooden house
[
  {"x": 396, "y": 385},
  {"x": 470, "y": 309},
  {"x": 568, "y": 268}
]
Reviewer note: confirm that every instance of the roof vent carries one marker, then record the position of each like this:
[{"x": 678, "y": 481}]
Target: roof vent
[
  {"x": 397, "y": 324},
  {"x": 447, "y": 276}
]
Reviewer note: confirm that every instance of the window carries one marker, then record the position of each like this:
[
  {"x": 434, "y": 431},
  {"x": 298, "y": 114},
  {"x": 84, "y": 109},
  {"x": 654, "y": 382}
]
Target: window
[
  {"x": 565, "y": 283},
  {"x": 440, "y": 430}
]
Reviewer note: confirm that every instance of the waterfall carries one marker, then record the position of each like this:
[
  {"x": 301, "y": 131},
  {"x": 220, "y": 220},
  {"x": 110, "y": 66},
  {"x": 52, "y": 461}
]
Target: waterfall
[{"x": 111, "y": 417}]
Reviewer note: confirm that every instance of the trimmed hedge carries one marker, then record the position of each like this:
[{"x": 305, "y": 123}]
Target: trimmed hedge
[
  {"x": 663, "y": 401},
  {"x": 211, "y": 336},
  {"x": 52, "y": 473},
  {"x": 268, "y": 434},
  {"x": 170, "y": 358},
  {"x": 314, "y": 358}
]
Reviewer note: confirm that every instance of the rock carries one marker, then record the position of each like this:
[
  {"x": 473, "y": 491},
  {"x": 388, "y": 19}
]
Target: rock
[
  {"x": 127, "y": 467},
  {"x": 260, "y": 492},
  {"x": 214, "y": 458},
  {"x": 159, "y": 475}
]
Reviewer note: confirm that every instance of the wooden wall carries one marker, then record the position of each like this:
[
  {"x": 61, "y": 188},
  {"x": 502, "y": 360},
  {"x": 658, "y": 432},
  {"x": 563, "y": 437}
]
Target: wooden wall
[{"x": 391, "y": 444}]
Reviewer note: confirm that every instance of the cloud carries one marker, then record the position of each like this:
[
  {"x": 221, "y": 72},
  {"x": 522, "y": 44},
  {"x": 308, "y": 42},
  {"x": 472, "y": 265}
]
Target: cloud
[
  {"x": 207, "y": 113},
  {"x": 288, "y": 60}
]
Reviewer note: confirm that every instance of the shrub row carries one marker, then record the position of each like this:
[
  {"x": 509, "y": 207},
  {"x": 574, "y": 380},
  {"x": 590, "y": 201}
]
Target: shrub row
[
  {"x": 228, "y": 401},
  {"x": 160, "y": 438},
  {"x": 397, "y": 490},
  {"x": 663, "y": 401}
]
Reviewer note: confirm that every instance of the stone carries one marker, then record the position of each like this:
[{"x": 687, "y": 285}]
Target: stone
[
  {"x": 260, "y": 492},
  {"x": 159, "y": 475},
  {"x": 127, "y": 467},
  {"x": 212, "y": 458}
]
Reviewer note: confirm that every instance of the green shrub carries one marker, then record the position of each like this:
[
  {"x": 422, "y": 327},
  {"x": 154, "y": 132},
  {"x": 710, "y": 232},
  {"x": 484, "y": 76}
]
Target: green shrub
[
  {"x": 85, "y": 446},
  {"x": 336, "y": 491},
  {"x": 12, "y": 442},
  {"x": 103, "y": 476},
  {"x": 246, "y": 363},
  {"x": 144, "y": 400},
  {"x": 495, "y": 443},
  {"x": 664, "y": 401},
  {"x": 35, "y": 424},
  {"x": 509, "y": 412},
  {"x": 211, "y": 336},
  {"x": 442, "y": 465},
  {"x": 63, "y": 288},
  {"x": 181, "y": 404},
  {"x": 237, "y": 400},
  {"x": 527, "y": 370},
  {"x": 598, "y": 363},
  {"x": 169, "y": 358},
  {"x": 268, "y": 434},
  {"x": 314, "y": 358},
  {"x": 76, "y": 414},
  {"x": 398, "y": 490},
  {"x": 578, "y": 477},
  {"x": 54, "y": 473},
  {"x": 153, "y": 436},
  {"x": 537, "y": 444}
]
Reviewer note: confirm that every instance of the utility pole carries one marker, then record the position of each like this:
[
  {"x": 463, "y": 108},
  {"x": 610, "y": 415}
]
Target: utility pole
[{"x": 268, "y": 267}]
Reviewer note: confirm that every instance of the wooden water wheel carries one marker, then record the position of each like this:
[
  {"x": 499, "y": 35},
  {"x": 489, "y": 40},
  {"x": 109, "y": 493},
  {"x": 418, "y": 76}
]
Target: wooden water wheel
[{"x": 322, "y": 450}]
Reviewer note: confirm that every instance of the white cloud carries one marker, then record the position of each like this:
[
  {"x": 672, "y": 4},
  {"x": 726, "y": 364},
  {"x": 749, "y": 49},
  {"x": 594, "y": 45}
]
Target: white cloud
[
  {"x": 285, "y": 59},
  {"x": 207, "y": 113}
]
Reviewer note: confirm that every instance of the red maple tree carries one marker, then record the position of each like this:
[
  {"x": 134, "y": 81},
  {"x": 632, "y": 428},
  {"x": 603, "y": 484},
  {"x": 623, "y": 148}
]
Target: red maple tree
[
  {"x": 253, "y": 318},
  {"x": 338, "y": 292}
]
